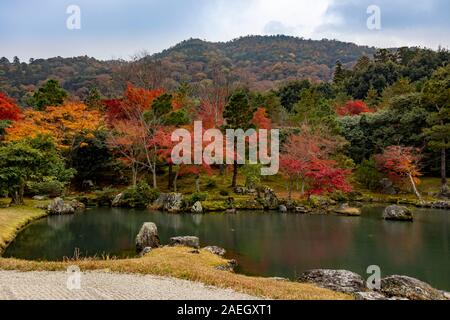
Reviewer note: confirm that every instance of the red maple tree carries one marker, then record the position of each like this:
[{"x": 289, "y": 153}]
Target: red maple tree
[
  {"x": 9, "y": 109},
  {"x": 353, "y": 108}
]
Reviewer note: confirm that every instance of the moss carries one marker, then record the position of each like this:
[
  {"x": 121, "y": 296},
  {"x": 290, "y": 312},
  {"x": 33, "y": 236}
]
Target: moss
[{"x": 214, "y": 206}]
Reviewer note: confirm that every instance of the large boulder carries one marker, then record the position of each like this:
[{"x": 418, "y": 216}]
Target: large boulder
[
  {"x": 188, "y": 241},
  {"x": 397, "y": 213},
  {"x": 147, "y": 237},
  {"x": 409, "y": 288},
  {"x": 197, "y": 207},
  {"x": 59, "y": 207},
  {"x": 336, "y": 280},
  {"x": 117, "y": 200},
  {"x": 282, "y": 208}
]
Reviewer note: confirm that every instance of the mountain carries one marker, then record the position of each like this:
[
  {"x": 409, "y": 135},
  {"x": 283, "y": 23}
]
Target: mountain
[{"x": 261, "y": 62}]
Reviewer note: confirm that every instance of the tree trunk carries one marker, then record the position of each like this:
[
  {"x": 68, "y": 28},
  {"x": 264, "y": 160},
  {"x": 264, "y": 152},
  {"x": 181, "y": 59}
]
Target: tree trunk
[
  {"x": 413, "y": 184},
  {"x": 175, "y": 180},
  {"x": 444, "y": 186},
  {"x": 155, "y": 184},
  {"x": 197, "y": 183},
  {"x": 170, "y": 186},
  {"x": 235, "y": 173},
  {"x": 17, "y": 197},
  {"x": 290, "y": 186},
  {"x": 134, "y": 175}
]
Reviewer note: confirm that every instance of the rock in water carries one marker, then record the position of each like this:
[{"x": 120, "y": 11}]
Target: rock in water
[
  {"x": 216, "y": 250},
  {"x": 117, "y": 200},
  {"x": 409, "y": 288},
  {"x": 397, "y": 213},
  {"x": 346, "y": 210},
  {"x": 336, "y": 280},
  {"x": 192, "y": 242},
  {"x": 282, "y": 208},
  {"x": 197, "y": 207},
  {"x": 147, "y": 237},
  {"x": 60, "y": 207}
]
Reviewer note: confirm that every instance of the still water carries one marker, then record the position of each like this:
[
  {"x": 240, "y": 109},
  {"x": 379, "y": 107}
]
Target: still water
[{"x": 267, "y": 244}]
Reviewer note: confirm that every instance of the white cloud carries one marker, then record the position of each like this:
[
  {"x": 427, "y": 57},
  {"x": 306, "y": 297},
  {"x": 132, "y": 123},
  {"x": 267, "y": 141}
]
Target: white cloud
[{"x": 229, "y": 19}]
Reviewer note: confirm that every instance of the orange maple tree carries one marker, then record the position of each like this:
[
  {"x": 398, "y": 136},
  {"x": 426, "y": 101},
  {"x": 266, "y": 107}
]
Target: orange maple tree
[{"x": 62, "y": 123}]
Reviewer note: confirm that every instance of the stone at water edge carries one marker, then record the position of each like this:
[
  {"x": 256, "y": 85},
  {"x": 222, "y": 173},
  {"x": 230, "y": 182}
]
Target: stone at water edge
[
  {"x": 188, "y": 241},
  {"x": 336, "y": 280},
  {"x": 117, "y": 199},
  {"x": 282, "y": 208},
  {"x": 345, "y": 209},
  {"x": 398, "y": 213},
  {"x": 147, "y": 237},
  {"x": 197, "y": 207},
  {"x": 59, "y": 207},
  {"x": 216, "y": 250},
  {"x": 409, "y": 288},
  {"x": 173, "y": 202}
]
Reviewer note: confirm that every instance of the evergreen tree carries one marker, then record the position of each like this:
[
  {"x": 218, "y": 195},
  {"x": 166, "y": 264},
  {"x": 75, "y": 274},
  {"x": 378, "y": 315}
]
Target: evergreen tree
[{"x": 50, "y": 94}]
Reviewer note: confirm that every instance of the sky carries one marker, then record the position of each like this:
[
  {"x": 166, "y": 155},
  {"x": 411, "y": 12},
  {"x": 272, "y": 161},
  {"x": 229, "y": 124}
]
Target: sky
[{"x": 111, "y": 29}]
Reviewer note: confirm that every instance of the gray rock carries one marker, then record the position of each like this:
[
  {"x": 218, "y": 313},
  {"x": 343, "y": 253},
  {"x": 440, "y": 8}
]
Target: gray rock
[
  {"x": 216, "y": 250},
  {"x": 117, "y": 200},
  {"x": 88, "y": 185},
  {"x": 397, "y": 213},
  {"x": 147, "y": 237},
  {"x": 409, "y": 288},
  {"x": 268, "y": 198},
  {"x": 188, "y": 241},
  {"x": 346, "y": 210},
  {"x": 197, "y": 207},
  {"x": 173, "y": 202},
  {"x": 301, "y": 210},
  {"x": 229, "y": 267},
  {"x": 59, "y": 207},
  {"x": 336, "y": 280},
  {"x": 145, "y": 251},
  {"x": 387, "y": 187},
  {"x": 283, "y": 208},
  {"x": 231, "y": 211},
  {"x": 369, "y": 295}
]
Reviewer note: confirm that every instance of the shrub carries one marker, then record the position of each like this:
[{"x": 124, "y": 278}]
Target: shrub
[
  {"x": 106, "y": 196},
  {"x": 193, "y": 198},
  {"x": 211, "y": 184},
  {"x": 224, "y": 193},
  {"x": 368, "y": 175},
  {"x": 51, "y": 188},
  {"x": 139, "y": 197}
]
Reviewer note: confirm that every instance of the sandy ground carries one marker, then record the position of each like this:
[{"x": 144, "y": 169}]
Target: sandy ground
[{"x": 105, "y": 286}]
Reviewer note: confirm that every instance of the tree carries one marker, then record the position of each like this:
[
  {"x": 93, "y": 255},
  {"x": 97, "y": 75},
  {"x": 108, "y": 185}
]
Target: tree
[
  {"x": 50, "y": 94},
  {"x": 9, "y": 109},
  {"x": 401, "y": 163},
  {"x": 238, "y": 114},
  {"x": 353, "y": 108},
  {"x": 64, "y": 124},
  {"x": 290, "y": 93},
  {"x": 29, "y": 160},
  {"x": 339, "y": 73},
  {"x": 94, "y": 99},
  {"x": 436, "y": 96}
]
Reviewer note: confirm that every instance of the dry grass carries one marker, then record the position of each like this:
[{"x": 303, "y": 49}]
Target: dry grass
[
  {"x": 182, "y": 264},
  {"x": 13, "y": 219}
]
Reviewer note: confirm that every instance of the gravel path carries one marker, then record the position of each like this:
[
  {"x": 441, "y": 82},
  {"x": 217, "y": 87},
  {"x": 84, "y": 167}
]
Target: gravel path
[{"x": 106, "y": 286}]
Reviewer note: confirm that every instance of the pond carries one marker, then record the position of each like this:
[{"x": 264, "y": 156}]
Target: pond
[{"x": 266, "y": 244}]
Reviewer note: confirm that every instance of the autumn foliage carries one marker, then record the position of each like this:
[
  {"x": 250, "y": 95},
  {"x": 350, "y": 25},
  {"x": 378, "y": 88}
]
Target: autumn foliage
[
  {"x": 353, "y": 108},
  {"x": 62, "y": 123},
  {"x": 8, "y": 109}
]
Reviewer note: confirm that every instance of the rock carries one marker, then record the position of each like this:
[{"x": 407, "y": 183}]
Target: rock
[
  {"x": 387, "y": 187},
  {"x": 145, "y": 251},
  {"x": 409, "y": 288},
  {"x": 197, "y": 207},
  {"x": 216, "y": 250},
  {"x": 40, "y": 198},
  {"x": 369, "y": 296},
  {"x": 231, "y": 211},
  {"x": 240, "y": 190},
  {"x": 88, "y": 185},
  {"x": 59, "y": 207},
  {"x": 192, "y": 242},
  {"x": 280, "y": 279},
  {"x": 194, "y": 251},
  {"x": 147, "y": 237},
  {"x": 268, "y": 198},
  {"x": 397, "y": 213},
  {"x": 302, "y": 210},
  {"x": 117, "y": 200},
  {"x": 336, "y": 280},
  {"x": 229, "y": 267},
  {"x": 446, "y": 295},
  {"x": 345, "y": 209},
  {"x": 283, "y": 208},
  {"x": 173, "y": 202}
]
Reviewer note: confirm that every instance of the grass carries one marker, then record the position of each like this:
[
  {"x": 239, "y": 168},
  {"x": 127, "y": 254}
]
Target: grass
[
  {"x": 13, "y": 219},
  {"x": 180, "y": 263}
]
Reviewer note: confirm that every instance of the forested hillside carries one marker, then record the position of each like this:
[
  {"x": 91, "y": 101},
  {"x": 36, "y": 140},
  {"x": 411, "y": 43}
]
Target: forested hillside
[{"x": 259, "y": 62}]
